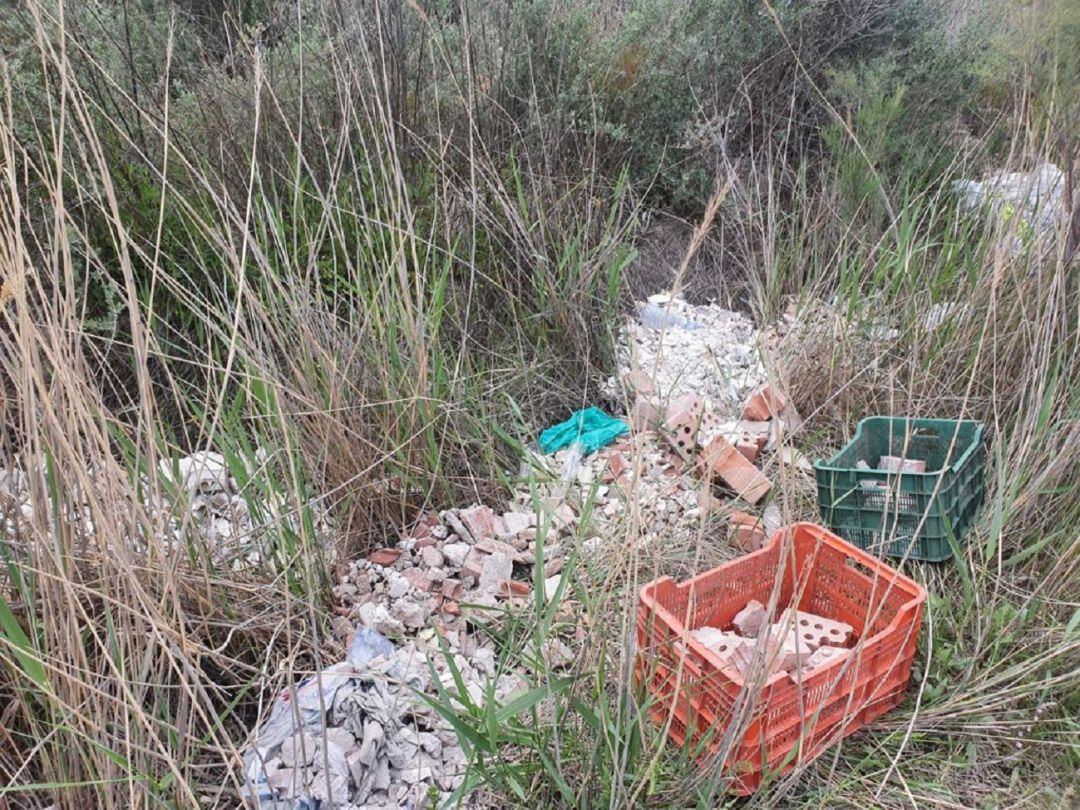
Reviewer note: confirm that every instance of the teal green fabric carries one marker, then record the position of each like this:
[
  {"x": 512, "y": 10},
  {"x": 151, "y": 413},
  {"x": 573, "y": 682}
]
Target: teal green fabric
[{"x": 591, "y": 428}]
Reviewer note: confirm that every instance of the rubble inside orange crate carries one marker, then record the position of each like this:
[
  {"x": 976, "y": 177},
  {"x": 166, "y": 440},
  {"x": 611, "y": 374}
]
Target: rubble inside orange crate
[{"x": 796, "y": 643}]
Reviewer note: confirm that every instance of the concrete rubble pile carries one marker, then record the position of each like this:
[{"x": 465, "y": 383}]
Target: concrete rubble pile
[
  {"x": 202, "y": 498},
  {"x": 354, "y": 736},
  {"x": 683, "y": 349},
  {"x": 798, "y": 643},
  {"x": 208, "y": 500},
  {"x": 470, "y": 557},
  {"x": 1031, "y": 204},
  {"x": 389, "y": 748}
]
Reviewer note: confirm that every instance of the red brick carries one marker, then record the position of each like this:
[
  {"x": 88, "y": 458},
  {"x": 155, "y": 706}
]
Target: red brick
[
  {"x": 425, "y": 542},
  {"x": 720, "y": 459},
  {"x": 645, "y": 414},
  {"x": 473, "y": 565},
  {"x": 682, "y": 422},
  {"x": 617, "y": 467},
  {"x": 479, "y": 520},
  {"x": 452, "y": 589},
  {"x": 514, "y": 588},
  {"x": 417, "y": 578},
  {"x": 748, "y": 447},
  {"x": 385, "y": 557},
  {"x": 747, "y": 537},
  {"x": 451, "y": 607},
  {"x": 816, "y": 630},
  {"x": 765, "y": 403}
]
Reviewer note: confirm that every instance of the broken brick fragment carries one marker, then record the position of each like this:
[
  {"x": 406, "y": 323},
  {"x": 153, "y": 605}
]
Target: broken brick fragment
[
  {"x": 721, "y": 460},
  {"x": 417, "y": 578},
  {"x": 452, "y": 589},
  {"x": 749, "y": 448},
  {"x": 749, "y": 620},
  {"x": 764, "y": 403},
  {"x": 479, "y": 520},
  {"x": 473, "y": 565},
  {"x": 681, "y": 424},
  {"x": 617, "y": 467},
  {"x": 385, "y": 557},
  {"x": 512, "y": 588}
]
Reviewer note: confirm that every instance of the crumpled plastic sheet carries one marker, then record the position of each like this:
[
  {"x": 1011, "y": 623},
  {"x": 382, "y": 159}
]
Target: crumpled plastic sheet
[{"x": 590, "y": 428}]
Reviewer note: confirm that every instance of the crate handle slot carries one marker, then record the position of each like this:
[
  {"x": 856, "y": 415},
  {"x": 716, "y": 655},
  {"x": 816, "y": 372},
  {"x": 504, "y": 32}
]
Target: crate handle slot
[{"x": 861, "y": 567}]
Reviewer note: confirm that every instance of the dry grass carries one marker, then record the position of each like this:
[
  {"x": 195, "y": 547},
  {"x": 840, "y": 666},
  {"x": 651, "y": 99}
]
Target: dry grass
[{"x": 279, "y": 282}]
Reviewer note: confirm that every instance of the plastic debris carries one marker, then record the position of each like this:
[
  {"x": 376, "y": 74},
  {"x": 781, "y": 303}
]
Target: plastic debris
[
  {"x": 366, "y": 645},
  {"x": 658, "y": 317},
  {"x": 590, "y": 428}
]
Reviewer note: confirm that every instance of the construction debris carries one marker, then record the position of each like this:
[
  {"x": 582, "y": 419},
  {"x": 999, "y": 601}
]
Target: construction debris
[
  {"x": 797, "y": 642},
  {"x": 682, "y": 349}
]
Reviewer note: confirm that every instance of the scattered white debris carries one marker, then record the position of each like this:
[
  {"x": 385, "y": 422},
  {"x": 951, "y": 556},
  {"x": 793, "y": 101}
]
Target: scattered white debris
[
  {"x": 1033, "y": 200},
  {"x": 704, "y": 350}
]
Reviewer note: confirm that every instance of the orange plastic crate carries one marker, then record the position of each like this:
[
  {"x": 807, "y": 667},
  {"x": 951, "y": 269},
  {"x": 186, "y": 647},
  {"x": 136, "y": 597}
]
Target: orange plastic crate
[{"x": 774, "y": 724}]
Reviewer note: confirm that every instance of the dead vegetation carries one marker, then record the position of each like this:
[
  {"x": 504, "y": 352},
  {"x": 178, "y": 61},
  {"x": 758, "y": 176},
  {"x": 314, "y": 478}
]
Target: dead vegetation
[{"x": 355, "y": 273}]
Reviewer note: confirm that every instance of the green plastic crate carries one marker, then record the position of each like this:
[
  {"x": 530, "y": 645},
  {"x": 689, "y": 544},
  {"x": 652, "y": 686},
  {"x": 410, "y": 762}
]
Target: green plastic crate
[{"x": 882, "y": 511}]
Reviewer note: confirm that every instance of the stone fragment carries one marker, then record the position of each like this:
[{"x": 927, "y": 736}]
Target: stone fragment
[
  {"x": 553, "y": 567},
  {"x": 286, "y": 781},
  {"x": 551, "y": 586},
  {"x": 496, "y": 569},
  {"x": 431, "y": 557},
  {"x": 514, "y": 524},
  {"x": 409, "y": 613},
  {"x": 455, "y": 554},
  {"x": 772, "y": 519},
  {"x": 749, "y": 620},
  {"x": 557, "y": 654},
  {"x": 340, "y": 737},
  {"x": 378, "y": 618},
  {"x": 455, "y": 523},
  {"x": 330, "y": 787},
  {"x": 397, "y": 585}
]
